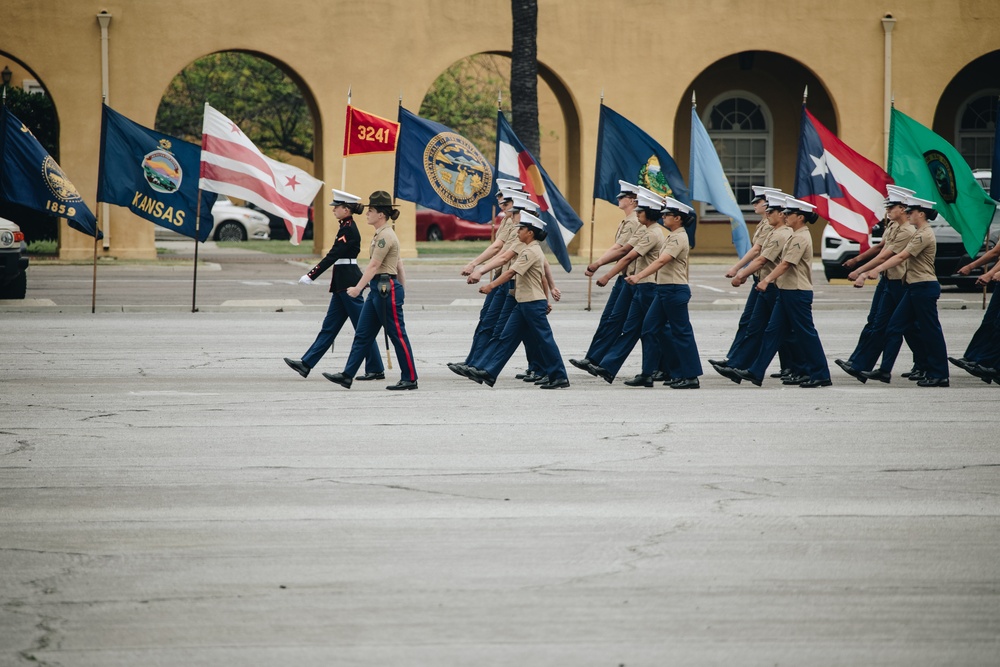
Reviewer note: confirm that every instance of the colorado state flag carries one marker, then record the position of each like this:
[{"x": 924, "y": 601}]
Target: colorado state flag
[
  {"x": 515, "y": 162},
  {"x": 442, "y": 170},
  {"x": 30, "y": 177},
  {"x": 153, "y": 175}
]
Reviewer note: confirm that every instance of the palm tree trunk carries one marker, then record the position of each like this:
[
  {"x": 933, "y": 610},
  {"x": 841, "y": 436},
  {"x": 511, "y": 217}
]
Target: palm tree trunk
[{"x": 524, "y": 74}]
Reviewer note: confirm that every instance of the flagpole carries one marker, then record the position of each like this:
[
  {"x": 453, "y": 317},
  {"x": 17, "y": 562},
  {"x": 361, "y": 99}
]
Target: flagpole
[
  {"x": 103, "y": 211},
  {"x": 343, "y": 167},
  {"x": 593, "y": 211},
  {"x": 493, "y": 220},
  {"x": 197, "y": 234}
]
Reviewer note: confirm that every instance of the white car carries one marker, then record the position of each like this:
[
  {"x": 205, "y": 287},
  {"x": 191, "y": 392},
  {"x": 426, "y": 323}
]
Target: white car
[
  {"x": 13, "y": 261},
  {"x": 237, "y": 223}
]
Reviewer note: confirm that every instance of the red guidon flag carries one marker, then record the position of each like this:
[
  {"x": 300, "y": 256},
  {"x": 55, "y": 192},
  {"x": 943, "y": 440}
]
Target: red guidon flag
[
  {"x": 367, "y": 133},
  {"x": 232, "y": 165}
]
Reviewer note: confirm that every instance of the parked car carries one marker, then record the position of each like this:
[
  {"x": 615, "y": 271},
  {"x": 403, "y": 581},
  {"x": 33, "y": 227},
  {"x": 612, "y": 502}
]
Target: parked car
[
  {"x": 951, "y": 253},
  {"x": 278, "y": 230},
  {"x": 237, "y": 223},
  {"x": 13, "y": 261},
  {"x": 435, "y": 226}
]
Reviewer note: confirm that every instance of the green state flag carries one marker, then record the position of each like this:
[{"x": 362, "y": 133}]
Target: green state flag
[{"x": 923, "y": 161}]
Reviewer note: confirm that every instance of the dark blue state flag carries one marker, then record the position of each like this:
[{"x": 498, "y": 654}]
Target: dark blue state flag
[
  {"x": 30, "y": 177},
  {"x": 153, "y": 175},
  {"x": 626, "y": 152},
  {"x": 995, "y": 179},
  {"x": 442, "y": 170}
]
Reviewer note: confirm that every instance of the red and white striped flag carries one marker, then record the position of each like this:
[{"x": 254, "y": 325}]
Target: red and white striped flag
[{"x": 232, "y": 165}]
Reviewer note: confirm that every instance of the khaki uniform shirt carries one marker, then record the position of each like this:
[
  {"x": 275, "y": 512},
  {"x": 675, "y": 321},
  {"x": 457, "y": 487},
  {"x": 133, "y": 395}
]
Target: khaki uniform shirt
[
  {"x": 639, "y": 233},
  {"x": 923, "y": 249},
  {"x": 901, "y": 236},
  {"x": 674, "y": 272},
  {"x": 771, "y": 249},
  {"x": 510, "y": 240},
  {"x": 530, "y": 270},
  {"x": 761, "y": 233},
  {"x": 384, "y": 250},
  {"x": 626, "y": 228},
  {"x": 798, "y": 252},
  {"x": 649, "y": 241}
]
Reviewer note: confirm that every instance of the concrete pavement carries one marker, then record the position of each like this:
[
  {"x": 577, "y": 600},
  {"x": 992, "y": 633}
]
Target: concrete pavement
[{"x": 171, "y": 493}]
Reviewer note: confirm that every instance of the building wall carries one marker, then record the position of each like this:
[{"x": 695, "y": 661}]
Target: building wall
[{"x": 645, "y": 55}]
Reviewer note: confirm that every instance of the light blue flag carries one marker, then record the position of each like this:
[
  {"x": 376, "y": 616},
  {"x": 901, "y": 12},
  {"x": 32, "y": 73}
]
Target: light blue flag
[{"x": 709, "y": 183}]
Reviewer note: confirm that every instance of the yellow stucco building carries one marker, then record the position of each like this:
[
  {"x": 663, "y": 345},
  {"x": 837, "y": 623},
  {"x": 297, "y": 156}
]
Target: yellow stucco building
[{"x": 747, "y": 62}]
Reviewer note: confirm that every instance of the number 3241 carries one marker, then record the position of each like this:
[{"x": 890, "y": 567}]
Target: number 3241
[{"x": 369, "y": 133}]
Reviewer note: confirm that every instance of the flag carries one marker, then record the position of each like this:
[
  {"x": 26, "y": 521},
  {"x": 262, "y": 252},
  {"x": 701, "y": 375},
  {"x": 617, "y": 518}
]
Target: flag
[
  {"x": 153, "y": 175},
  {"x": 30, "y": 177},
  {"x": 847, "y": 189},
  {"x": 442, "y": 170},
  {"x": 627, "y": 153},
  {"x": 232, "y": 165},
  {"x": 709, "y": 183},
  {"x": 923, "y": 161},
  {"x": 995, "y": 178},
  {"x": 368, "y": 133},
  {"x": 514, "y": 161}
]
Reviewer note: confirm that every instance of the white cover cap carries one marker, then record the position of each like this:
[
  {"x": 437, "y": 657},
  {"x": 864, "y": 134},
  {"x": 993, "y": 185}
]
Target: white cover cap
[
  {"x": 677, "y": 206},
  {"x": 799, "y": 206},
  {"x": 776, "y": 199},
  {"x": 917, "y": 202},
  {"x": 340, "y": 198},
  {"x": 897, "y": 195},
  {"x": 529, "y": 220},
  {"x": 760, "y": 192},
  {"x": 508, "y": 184},
  {"x": 654, "y": 203},
  {"x": 627, "y": 188}
]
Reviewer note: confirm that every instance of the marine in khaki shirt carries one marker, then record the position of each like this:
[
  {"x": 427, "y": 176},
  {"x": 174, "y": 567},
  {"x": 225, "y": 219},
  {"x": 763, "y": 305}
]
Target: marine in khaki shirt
[
  {"x": 922, "y": 250},
  {"x": 769, "y": 256},
  {"x": 627, "y": 202},
  {"x": 530, "y": 270},
  {"x": 674, "y": 272},
  {"x": 797, "y": 252},
  {"x": 384, "y": 250},
  {"x": 648, "y": 244},
  {"x": 901, "y": 235}
]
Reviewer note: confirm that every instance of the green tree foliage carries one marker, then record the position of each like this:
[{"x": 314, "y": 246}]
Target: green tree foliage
[
  {"x": 252, "y": 92},
  {"x": 37, "y": 112},
  {"x": 464, "y": 98}
]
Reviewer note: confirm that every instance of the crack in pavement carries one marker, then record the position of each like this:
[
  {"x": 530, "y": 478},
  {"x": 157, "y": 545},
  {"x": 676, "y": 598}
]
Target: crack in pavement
[{"x": 22, "y": 446}]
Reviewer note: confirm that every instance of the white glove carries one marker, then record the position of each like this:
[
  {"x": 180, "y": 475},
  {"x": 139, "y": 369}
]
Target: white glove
[{"x": 305, "y": 280}]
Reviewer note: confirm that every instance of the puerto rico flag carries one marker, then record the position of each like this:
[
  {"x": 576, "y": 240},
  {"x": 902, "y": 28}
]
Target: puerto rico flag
[
  {"x": 847, "y": 188},
  {"x": 514, "y": 161}
]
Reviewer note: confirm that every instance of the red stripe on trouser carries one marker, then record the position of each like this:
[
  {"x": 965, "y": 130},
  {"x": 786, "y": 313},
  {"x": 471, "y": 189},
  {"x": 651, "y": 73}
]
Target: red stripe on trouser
[{"x": 399, "y": 332}]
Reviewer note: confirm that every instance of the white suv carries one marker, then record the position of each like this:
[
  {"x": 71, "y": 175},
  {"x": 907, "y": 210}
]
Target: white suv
[{"x": 13, "y": 261}]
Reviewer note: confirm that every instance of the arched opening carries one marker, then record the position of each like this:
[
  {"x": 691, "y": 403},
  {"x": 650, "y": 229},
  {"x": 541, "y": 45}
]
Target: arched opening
[
  {"x": 464, "y": 97},
  {"x": 751, "y": 105},
  {"x": 966, "y": 113},
  {"x": 268, "y": 100},
  {"x": 27, "y": 98}
]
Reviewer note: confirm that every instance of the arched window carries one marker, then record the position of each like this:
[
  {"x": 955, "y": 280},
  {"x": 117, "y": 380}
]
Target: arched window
[
  {"x": 975, "y": 125},
  {"x": 740, "y": 126}
]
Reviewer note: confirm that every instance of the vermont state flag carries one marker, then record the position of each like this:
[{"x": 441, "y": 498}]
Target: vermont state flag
[
  {"x": 30, "y": 177},
  {"x": 626, "y": 152},
  {"x": 153, "y": 175},
  {"x": 442, "y": 170},
  {"x": 515, "y": 162}
]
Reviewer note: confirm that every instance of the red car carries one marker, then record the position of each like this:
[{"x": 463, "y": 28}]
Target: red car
[{"x": 435, "y": 226}]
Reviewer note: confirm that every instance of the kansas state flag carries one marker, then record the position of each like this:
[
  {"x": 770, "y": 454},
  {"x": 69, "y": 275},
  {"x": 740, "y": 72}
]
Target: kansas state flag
[
  {"x": 625, "y": 152},
  {"x": 153, "y": 175},
  {"x": 30, "y": 177},
  {"x": 442, "y": 170},
  {"x": 515, "y": 162}
]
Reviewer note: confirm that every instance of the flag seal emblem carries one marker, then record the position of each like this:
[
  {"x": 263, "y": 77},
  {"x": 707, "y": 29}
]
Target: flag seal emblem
[
  {"x": 457, "y": 171},
  {"x": 162, "y": 171},
  {"x": 56, "y": 179},
  {"x": 651, "y": 177},
  {"x": 943, "y": 175}
]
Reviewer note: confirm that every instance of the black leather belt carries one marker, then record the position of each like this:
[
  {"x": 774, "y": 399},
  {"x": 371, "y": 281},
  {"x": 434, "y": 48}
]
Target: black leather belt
[{"x": 384, "y": 275}]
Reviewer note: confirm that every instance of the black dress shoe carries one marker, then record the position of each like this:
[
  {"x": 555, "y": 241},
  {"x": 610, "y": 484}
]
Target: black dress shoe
[
  {"x": 530, "y": 376},
  {"x": 640, "y": 381},
  {"x": 851, "y": 370},
  {"x": 582, "y": 364},
  {"x": 298, "y": 367},
  {"x": 720, "y": 369},
  {"x": 791, "y": 380},
  {"x": 961, "y": 362},
  {"x": 560, "y": 383},
  {"x": 933, "y": 382},
  {"x": 719, "y": 362},
  {"x": 985, "y": 374},
  {"x": 782, "y": 373},
  {"x": 481, "y": 377},
  {"x": 542, "y": 380},
  {"x": 403, "y": 385},
  {"x": 916, "y": 376},
  {"x": 521, "y": 376},
  {"x": 457, "y": 369},
  {"x": 747, "y": 375},
  {"x": 727, "y": 372},
  {"x": 910, "y": 372},
  {"x": 371, "y": 376},
  {"x": 670, "y": 382},
  {"x": 685, "y": 383},
  {"x": 605, "y": 375},
  {"x": 877, "y": 374},
  {"x": 339, "y": 378},
  {"x": 812, "y": 384},
  {"x": 659, "y": 376}
]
